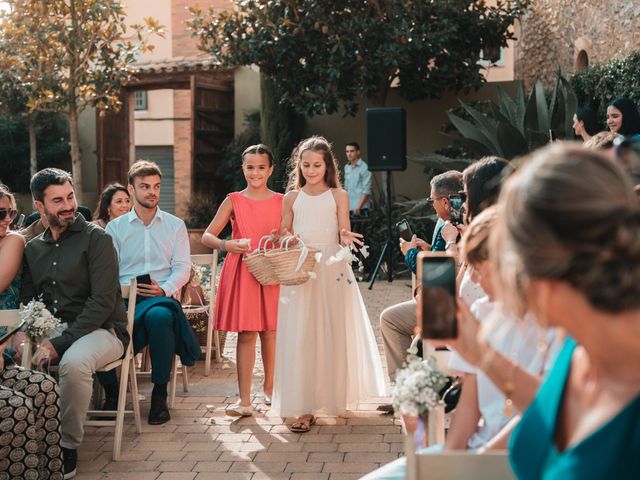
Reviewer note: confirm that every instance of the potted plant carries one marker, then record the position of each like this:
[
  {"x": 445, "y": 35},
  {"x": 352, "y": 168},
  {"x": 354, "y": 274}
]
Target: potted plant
[{"x": 200, "y": 211}]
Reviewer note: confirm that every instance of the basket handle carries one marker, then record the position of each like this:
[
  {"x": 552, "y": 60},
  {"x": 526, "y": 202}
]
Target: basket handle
[
  {"x": 266, "y": 239},
  {"x": 286, "y": 241}
]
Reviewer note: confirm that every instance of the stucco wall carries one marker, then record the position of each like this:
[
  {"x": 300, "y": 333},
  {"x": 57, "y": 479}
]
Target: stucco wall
[
  {"x": 553, "y": 32},
  {"x": 423, "y": 133}
]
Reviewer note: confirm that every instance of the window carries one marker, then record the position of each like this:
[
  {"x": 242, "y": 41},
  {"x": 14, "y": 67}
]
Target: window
[
  {"x": 140, "y": 100},
  {"x": 495, "y": 58}
]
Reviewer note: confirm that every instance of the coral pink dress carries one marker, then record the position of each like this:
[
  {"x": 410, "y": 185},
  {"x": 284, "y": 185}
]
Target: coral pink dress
[{"x": 242, "y": 303}]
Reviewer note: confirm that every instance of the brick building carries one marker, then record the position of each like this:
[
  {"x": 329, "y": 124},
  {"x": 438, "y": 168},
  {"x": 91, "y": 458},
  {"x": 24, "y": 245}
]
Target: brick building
[{"x": 179, "y": 112}]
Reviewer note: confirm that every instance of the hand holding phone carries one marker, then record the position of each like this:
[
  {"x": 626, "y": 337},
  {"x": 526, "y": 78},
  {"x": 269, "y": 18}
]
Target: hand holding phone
[
  {"x": 437, "y": 305},
  {"x": 404, "y": 230},
  {"x": 144, "y": 279}
]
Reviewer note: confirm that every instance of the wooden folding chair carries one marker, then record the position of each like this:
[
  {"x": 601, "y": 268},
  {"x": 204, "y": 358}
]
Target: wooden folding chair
[
  {"x": 459, "y": 466},
  {"x": 128, "y": 374},
  {"x": 213, "y": 339}
]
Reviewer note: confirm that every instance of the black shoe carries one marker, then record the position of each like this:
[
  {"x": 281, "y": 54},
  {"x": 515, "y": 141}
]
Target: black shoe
[
  {"x": 159, "y": 412},
  {"x": 386, "y": 408},
  {"x": 110, "y": 403},
  {"x": 70, "y": 459}
]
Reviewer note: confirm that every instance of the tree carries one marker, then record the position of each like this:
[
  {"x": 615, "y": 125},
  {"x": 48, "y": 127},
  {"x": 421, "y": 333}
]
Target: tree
[
  {"x": 82, "y": 55},
  {"x": 327, "y": 54}
]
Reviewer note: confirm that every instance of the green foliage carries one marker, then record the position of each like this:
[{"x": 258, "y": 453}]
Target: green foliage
[
  {"x": 281, "y": 128},
  {"x": 598, "y": 85},
  {"x": 53, "y": 138},
  {"x": 513, "y": 126},
  {"x": 200, "y": 211},
  {"x": 326, "y": 55},
  {"x": 66, "y": 55}
]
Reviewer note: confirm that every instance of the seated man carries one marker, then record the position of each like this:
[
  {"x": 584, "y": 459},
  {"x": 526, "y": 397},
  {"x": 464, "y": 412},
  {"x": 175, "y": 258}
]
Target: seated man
[
  {"x": 397, "y": 323},
  {"x": 155, "y": 243},
  {"x": 73, "y": 266},
  {"x": 510, "y": 356}
]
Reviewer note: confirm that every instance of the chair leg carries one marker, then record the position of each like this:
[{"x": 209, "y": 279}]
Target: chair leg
[
  {"x": 217, "y": 342},
  {"x": 174, "y": 381},
  {"x": 185, "y": 378},
  {"x": 207, "y": 356},
  {"x": 135, "y": 398},
  {"x": 122, "y": 401}
]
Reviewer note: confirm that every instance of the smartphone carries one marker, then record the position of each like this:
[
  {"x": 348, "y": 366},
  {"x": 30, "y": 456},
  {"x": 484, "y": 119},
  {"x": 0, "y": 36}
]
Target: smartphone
[
  {"x": 9, "y": 331},
  {"x": 437, "y": 308},
  {"x": 404, "y": 230},
  {"x": 144, "y": 279},
  {"x": 457, "y": 210}
]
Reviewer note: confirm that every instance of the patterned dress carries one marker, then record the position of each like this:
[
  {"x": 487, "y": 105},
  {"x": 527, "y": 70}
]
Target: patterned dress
[{"x": 29, "y": 423}]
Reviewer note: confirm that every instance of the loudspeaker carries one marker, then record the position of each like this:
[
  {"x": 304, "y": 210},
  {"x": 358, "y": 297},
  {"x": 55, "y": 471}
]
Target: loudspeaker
[{"x": 386, "y": 139}]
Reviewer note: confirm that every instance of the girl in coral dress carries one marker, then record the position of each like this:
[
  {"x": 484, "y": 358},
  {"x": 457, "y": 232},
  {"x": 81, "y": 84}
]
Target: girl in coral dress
[
  {"x": 327, "y": 359},
  {"x": 243, "y": 305}
]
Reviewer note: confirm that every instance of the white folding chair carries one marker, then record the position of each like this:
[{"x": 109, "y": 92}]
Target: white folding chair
[
  {"x": 459, "y": 466},
  {"x": 128, "y": 374},
  {"x": 213, "y": 339}
]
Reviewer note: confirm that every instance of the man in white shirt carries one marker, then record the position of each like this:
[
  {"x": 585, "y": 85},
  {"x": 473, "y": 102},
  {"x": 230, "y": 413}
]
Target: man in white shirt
[{"x": 150, "y": 241}]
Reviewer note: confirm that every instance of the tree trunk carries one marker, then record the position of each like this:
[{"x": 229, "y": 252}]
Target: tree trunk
[
  {"x": 33, "y": 152},
  {"x": 76, "y": 160}
]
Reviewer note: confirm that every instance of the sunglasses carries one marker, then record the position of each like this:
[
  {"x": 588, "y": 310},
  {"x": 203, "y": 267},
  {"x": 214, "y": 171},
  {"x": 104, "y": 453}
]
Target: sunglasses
[{"x": 8, "y": 212}]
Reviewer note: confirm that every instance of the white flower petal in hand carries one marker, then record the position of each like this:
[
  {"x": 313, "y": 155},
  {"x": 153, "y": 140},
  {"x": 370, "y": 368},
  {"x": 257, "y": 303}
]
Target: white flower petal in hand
[{"x": 318, "y": 258}]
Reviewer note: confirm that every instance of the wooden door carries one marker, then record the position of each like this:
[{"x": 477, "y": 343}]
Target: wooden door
[
  {"x": 114, "y": 144},
  {"x": 213, "y": 129}
]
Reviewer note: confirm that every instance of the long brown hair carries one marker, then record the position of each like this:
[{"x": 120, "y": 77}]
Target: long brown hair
[
  {"x": 316, "y": 144},
  {"x": 102, "y": 212}
]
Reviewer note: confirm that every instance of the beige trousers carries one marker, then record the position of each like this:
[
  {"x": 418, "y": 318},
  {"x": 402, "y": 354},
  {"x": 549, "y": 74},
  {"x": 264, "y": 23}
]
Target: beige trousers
[
  {"x": 77, "y": 366},
  {"x": 397, "y": 324}
]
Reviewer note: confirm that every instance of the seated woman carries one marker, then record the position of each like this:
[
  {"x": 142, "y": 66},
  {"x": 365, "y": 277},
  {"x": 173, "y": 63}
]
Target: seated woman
[
  {"x": 567, "y": 247},
  {"x": 114, "y": 201},
  {"x": 516, "y": 341},
  {"x": 29, "y": 424}
]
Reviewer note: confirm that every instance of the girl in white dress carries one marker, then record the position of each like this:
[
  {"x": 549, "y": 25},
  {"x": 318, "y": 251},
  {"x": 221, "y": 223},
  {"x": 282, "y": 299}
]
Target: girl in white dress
[{"x": 327, "y": 359}]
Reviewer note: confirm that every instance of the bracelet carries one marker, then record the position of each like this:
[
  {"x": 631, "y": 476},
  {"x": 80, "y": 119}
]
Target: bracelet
[
  {"x": 449, "y": 243},
  {"x": 509, "y": 388},
  {"x": 222, "y": 245}
]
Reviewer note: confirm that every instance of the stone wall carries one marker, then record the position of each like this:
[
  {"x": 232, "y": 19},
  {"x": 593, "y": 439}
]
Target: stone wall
[{"x": 553, "y": 33}]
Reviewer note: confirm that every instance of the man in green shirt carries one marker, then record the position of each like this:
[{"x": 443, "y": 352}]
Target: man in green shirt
[{"x": 73, "y": 265}]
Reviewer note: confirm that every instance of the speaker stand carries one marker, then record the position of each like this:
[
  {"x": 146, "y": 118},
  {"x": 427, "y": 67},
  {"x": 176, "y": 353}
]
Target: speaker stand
[{"x": 387, "y": 249}]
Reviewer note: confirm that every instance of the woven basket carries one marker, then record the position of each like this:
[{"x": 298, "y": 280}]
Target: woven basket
[
  {"x": 259, "y": 265},
  {"x": 198, "y": 318},
  {"x": 284, "y": 262}
]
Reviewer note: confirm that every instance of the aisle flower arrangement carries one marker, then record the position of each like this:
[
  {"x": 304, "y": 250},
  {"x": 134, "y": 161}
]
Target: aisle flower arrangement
[
  {"x": 39, "y": 321},
  {"x": 418, "y": 386}
]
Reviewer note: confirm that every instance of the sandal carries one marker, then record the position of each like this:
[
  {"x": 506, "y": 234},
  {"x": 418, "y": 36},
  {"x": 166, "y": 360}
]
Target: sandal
[{"x": 303, "y": 424}]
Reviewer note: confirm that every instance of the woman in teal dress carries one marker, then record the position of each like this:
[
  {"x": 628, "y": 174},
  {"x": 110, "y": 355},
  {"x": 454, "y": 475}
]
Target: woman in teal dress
[{"x": 567, "y": 248}]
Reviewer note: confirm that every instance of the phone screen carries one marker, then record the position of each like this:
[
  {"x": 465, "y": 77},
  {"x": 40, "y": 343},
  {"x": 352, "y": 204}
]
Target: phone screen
[
  {"x": 144, "y": 279},
  {"x": 456, "y": 210},
  {"x": 438, "y": 297},
  {"x": 404, "y": 230}
]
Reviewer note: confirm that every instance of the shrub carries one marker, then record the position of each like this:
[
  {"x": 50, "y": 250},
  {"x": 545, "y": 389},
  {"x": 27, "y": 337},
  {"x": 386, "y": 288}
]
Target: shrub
[
  {"x": 598, "y": 85},
  {"x": 53, "y": 148}
]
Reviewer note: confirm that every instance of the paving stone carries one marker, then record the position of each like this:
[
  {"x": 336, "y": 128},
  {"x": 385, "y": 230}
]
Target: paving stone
[
  {"x": 349, "y": 467},
  {"x": 271, "y": 467}
]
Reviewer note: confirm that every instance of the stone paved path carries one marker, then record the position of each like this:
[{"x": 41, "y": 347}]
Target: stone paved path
[{"x": 201, "y": 442}]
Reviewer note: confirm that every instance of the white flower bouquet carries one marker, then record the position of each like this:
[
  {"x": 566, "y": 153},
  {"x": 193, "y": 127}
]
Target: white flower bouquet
[
  {"x": 39, "y": 322},
  {"x": 418, "y": 386}
]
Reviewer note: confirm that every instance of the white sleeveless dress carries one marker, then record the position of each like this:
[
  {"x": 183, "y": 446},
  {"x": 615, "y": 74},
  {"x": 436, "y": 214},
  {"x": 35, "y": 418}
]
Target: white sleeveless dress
[{"x": 327, "y": 359}]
